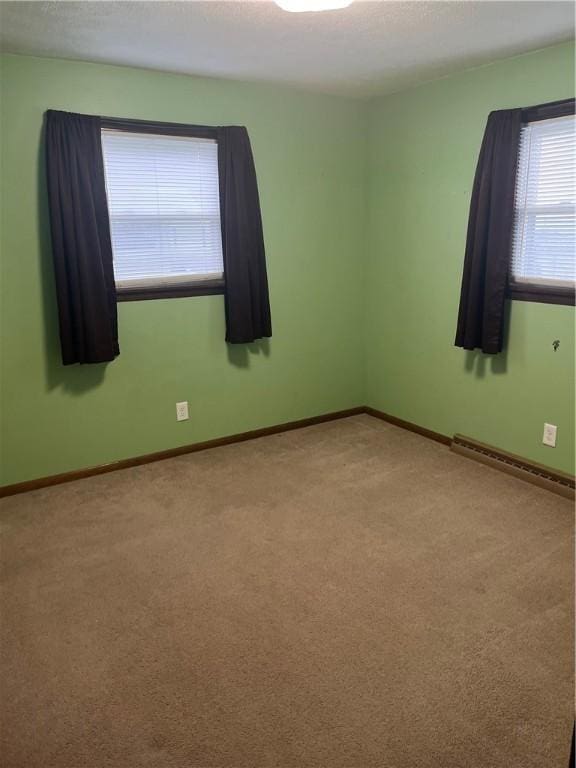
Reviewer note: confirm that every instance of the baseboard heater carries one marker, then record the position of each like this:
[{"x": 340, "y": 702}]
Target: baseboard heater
[{"x": 537, "y": 474}]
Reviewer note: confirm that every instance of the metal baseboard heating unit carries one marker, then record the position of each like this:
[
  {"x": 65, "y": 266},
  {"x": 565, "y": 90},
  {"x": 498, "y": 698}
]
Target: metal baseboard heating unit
[{"x": 537, "y": 474}]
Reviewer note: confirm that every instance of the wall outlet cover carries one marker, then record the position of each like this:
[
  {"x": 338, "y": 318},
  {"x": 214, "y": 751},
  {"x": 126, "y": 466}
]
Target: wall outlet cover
[
  {"x": 549, "y": 436},
  {"x": 182, "y": 411}
]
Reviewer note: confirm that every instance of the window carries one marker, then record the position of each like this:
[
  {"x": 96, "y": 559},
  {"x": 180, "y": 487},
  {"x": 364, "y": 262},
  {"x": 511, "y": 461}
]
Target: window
[
  {"x": 164, "y": 209},
  {"x": 543, "y": 245}
]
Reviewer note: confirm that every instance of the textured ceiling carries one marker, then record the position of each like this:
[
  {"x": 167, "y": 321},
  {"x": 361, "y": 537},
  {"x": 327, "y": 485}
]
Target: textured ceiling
[{"x": 368, "y": 48}]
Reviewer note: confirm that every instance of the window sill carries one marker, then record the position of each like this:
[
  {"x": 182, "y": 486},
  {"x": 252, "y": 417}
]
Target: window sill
[
  {"x": 543, "y": 294},
  {"x": 205, "y": 288}
]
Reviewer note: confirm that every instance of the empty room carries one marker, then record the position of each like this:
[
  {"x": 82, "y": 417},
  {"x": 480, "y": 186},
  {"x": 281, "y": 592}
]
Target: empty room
[{"x": 287, "y": 352}]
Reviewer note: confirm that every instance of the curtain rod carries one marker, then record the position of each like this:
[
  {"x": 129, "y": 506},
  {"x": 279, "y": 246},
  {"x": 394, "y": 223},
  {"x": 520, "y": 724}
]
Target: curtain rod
[{"x": 152, "y": 126}]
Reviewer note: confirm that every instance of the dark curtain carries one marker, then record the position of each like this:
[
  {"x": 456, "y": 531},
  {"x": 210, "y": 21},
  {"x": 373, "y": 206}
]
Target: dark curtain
[
  {"x": 488, "y": 242},
  {"x": 81, "y": 245},
  {"x": 246, "y": 284}
]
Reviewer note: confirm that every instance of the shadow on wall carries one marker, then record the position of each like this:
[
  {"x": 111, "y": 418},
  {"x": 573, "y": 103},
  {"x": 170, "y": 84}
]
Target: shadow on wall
[
  {"x": 75, "y": 379},
  {"x": 239, "y": 355},
  {"x": 476, "y": 362}
]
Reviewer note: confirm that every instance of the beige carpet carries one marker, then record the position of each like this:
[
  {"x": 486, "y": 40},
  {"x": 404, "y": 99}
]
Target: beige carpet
[{"x": 344, "y": 596}]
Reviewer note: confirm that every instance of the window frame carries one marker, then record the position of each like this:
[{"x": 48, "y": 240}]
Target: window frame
[
  {"x": 539, "y": 292},
  {"x": 202, "y": 287}
]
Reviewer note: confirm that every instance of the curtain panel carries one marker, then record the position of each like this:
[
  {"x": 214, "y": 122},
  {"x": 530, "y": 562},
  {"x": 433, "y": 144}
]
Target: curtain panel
[
  {"x": 246, "y": 299},
  {"x": 81, "y": 244},
  {"x": 489, "y": 237}
]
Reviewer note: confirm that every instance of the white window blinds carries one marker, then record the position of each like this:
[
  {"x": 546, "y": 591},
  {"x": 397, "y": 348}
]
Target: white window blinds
[
  {"x": 163, "y": 201},
  {"x": 543, "y": 245}
]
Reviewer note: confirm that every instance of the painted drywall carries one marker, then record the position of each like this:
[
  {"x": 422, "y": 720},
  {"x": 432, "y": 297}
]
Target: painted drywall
[
  {"x": 423, "y": 149},
  {"x": 310, "y": 159},
  {"x": 365, "y": 209}
]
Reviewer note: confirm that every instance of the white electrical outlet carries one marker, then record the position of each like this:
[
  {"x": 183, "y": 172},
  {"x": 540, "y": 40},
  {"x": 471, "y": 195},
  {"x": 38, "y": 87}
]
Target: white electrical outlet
[
  {"x": 181, "y": 411},
  {"x": 549, "y": 436}
]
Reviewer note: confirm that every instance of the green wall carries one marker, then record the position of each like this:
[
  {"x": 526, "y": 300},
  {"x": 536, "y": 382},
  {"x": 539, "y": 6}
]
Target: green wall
[
  {"x": 424, "y": 144},
  {"x": 310, "y": 159},
  {"x": 364, "y": 207}
]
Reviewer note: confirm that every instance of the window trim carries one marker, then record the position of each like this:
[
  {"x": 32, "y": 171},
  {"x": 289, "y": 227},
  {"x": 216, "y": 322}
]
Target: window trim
[
  {"x": 538, "y": 292},
  {"x": 541, "y": 294},
  {"x": 186, "y": 290},
  {"x": 200, "y": 288}
]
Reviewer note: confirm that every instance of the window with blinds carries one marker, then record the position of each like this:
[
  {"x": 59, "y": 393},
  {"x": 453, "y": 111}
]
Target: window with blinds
[
  {"x": 543, "y": 245},
  {"x": 164, "y": 207}
]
